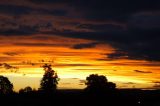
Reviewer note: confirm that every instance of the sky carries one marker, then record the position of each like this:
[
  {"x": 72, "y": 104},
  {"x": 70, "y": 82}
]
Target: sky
[{"x": 119, "y": 39}]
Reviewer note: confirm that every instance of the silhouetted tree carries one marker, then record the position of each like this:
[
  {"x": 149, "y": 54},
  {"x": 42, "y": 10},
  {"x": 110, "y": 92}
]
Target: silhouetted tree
[
  {"x": 6, "y": 86},
  {"x": 26, "y": 90},
  {"x": 111, "y": 85},
  {"x": 50, "y": 79},
  {"x": 98, "y": 83}
]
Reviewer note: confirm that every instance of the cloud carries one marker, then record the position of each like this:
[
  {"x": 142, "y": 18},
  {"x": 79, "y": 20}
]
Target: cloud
[
  {"x": 49, "y": 1},
  {"x": 17, "y": 10},
  {"x": 132, "y": 28},
  {"x": 88, "y": 69},
  {"x": 113, "y": 10},
  {"x": 82, "y": 81},
  {"x": 11, "y": 53},
  {"x": 108, "y": 27},
  {"x": 133, "y": 63},
  {"x": 40, "y": 44},
  {"x": 8, "y": 58},
  {"x": 14, "y": 10},
  {"x": 71, "y": 65},
  {"x": 66, "y": 83},
  {"x": 9, "y": 67},
  {"x": 12, "y": 28},
  {"x": 137, "y": 43},
  {"x": 117, "y": 55},
  {"x": 156, "y": 82},
  {"x": 139, "y": 71},
  {"x": 86, "y": 45},
  {"x": 156, "y": 86},
  {"x": 23, "y": 30},
  {"x": 104, "y": 10},
  {"x": 128, "y": 83}
]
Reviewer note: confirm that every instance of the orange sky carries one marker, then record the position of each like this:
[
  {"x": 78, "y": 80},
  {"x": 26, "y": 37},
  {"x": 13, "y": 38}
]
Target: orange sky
[{"x": 29, "y": 53}]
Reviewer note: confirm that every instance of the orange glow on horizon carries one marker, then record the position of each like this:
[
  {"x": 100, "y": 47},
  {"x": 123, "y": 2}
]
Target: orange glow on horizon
[{"x": 29, "y": 53}]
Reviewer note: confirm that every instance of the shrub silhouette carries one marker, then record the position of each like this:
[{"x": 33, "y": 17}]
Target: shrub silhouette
[
  {"x": 26, "y": 90},
  {"x": 50, "y": 79},
  {"x": 6, "y": 86},
  {"x": 98, "y": 83},
  {"x": 111, "y": 85}
]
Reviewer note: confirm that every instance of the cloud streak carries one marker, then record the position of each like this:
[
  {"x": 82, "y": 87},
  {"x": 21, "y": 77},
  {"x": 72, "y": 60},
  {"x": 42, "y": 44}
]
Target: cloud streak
[
  {"x": 85, "y": 46},
  {"x": 145, "y": 72}
]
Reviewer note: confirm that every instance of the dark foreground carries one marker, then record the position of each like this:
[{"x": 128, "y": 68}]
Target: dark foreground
[{"x": 81, "y": 98}]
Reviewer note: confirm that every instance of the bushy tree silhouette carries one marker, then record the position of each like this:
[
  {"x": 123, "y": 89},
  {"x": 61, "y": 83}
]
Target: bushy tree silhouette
[
  {"x": 26, "y": 90},
  {"x": 50, "y": 79},
  {"x": 98, "y": 83},
  {"x": 6, "y": 86},
  {"x": 111, "y": 85}
]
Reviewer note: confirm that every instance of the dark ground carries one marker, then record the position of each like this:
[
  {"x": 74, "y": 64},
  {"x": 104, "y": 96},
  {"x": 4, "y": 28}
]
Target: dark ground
[{"x": 121, "y": 97}]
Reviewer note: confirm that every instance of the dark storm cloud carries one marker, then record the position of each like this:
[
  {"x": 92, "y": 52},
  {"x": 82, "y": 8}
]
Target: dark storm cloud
[
  {"x": 57, "y": 12},
  {"x": 139, "y": 71},
  {"x": 12, "y": 28},
  {"x": 21, "y": 10},
  {"x": 114, "y": 9},
  {"x": 136, "y": 41},
  {"x": 13, "y": 24},
  {"x": 48, "y": 1},
  {"x": 137, "y": 37},
  {"x": 155, "y": 64},
  {"x": 21, "y": 30},
  {"x": 14, "y": 10},
  {"x": 104, "y": 9},
  {"x": 86, "y": 45},
  {"x": 109, "y": 27}
]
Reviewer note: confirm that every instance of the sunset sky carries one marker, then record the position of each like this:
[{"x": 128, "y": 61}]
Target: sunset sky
[{"x": 116, "y": 38}]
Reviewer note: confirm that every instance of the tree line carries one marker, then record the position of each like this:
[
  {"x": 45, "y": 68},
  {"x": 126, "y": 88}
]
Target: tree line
[{"x": 95, "y": 83}]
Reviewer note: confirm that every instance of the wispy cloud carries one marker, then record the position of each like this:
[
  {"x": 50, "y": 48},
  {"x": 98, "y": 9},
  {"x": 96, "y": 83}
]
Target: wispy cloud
[
  {"x": 139, "y": 71},
  {"x": 11, "y": 53},
  {"x": 9, "y": 67}
]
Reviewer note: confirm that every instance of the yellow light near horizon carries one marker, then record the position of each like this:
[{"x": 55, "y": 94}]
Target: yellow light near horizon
[{"x": 69, "y": 62}]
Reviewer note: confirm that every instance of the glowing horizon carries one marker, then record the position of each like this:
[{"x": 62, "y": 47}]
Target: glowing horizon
[
  {"x": 79, "y": 38},
  {"x": 73, "y": 63}
]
